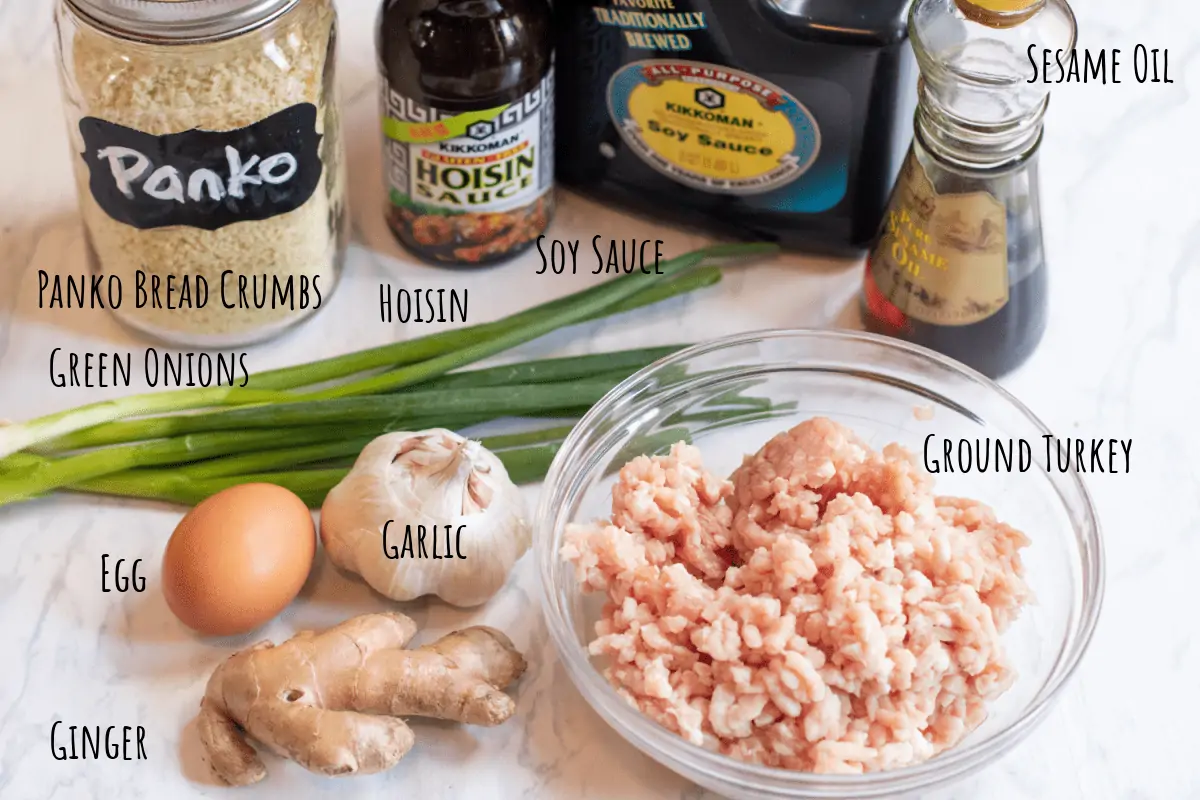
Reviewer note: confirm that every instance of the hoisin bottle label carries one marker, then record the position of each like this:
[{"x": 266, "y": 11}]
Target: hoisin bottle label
[
  {"x": 941, "y": 258},
  {"x": 490, "y": 160}
]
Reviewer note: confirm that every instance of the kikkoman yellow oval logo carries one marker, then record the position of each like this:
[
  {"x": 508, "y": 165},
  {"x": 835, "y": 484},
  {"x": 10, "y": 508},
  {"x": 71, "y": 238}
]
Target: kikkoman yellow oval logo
[{"x": 712, "y": 128}]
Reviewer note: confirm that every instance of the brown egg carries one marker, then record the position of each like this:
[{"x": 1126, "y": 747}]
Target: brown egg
[{"x": 237, "y": 559}]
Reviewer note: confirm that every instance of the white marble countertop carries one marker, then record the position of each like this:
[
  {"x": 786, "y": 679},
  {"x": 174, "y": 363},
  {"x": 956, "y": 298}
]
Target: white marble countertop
[{"x": 1122, "y": 215}]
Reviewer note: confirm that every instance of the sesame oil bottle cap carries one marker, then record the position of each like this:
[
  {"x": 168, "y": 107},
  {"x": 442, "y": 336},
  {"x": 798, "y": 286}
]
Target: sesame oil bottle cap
[{"x": 999, "y": 13}]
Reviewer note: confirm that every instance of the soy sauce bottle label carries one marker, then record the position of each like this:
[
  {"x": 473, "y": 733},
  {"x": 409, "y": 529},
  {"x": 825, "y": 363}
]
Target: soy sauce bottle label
[
  {"x": 713, "y": 128},
  {"x": 490, "y": 160},
  {"x": 941, "y": 259}
]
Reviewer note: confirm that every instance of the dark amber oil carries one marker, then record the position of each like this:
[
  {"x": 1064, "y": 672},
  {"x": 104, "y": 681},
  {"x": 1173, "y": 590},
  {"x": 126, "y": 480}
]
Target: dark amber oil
[
  {"x": 1002, "y": 342},
  {"x": 995, "y": 346},
  {"x": 848, "y": 64},
  {"x": 459, "y": 56}
]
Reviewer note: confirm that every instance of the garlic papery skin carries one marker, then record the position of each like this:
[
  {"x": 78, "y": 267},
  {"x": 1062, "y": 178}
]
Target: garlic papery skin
[{"x": 432, "y": 478}]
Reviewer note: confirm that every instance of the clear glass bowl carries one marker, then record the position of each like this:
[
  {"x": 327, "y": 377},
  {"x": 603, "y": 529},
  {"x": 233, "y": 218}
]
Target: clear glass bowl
[{"x": 884, "y": 390}]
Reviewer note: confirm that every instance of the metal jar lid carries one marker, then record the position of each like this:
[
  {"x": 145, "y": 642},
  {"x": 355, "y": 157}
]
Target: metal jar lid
[{"x": 179, "y": 21}]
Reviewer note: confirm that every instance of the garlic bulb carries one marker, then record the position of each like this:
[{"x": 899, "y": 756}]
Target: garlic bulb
[{"x": 427, "y": 513}]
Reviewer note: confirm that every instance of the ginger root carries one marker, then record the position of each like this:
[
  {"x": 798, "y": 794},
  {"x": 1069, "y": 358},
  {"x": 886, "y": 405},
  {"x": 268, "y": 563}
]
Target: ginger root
[{"x": 332, "y": 701}]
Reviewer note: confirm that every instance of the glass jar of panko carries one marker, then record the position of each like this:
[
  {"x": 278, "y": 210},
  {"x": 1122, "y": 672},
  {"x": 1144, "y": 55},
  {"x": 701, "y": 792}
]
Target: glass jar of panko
[{"x": 208, "y": 160}]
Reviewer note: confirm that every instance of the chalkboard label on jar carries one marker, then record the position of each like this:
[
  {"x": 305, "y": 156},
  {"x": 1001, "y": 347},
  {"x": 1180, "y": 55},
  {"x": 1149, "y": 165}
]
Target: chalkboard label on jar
[{"x": 204, "y": 179}]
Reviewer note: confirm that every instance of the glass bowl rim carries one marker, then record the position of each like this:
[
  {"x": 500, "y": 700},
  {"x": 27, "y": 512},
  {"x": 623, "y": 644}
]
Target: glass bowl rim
[{"x": 954, "y": 762}]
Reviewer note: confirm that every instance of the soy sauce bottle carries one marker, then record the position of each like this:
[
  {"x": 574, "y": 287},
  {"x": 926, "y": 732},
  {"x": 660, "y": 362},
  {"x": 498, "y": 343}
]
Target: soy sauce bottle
[
  {"x": 777, "y": 120},
  {"x": 468, "y": 124},
  {"x": 959, "y": 264}
]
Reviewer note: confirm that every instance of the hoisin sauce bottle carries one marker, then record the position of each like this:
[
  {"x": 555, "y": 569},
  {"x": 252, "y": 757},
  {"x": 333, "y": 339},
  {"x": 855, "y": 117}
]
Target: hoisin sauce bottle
[{"x": 468, "y": 125}]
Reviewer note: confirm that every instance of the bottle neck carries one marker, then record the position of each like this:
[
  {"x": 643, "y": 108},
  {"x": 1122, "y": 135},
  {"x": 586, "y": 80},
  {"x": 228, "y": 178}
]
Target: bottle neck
[{"x": 974, "y": 145}]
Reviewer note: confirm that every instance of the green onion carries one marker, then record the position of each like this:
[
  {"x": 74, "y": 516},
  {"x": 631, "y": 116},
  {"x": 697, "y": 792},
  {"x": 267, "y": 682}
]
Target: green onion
[
  {"x": 411, "y": 351},
  {"x": 208, "y": 455},
  {"x": 14, "y": 438},
  {"x": 550, "y": 370},
  {"x": 224, "y": 432},
  {"x": 526, "y": 456},
  {"x": 482, "y": 404},
  {"x": 425, "y": 357},
  {"x": 608, "y": 367},
  {"x": 232, "y": 435},
  {"x": 44, "y": 474},
  {"x": 310, "y": 485},
  {"x": 524, "y": 465},
  {"x": 586, "y": 305},
  {"x": 495, "y": 400},
  {"x": 283, "y": 458}
]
